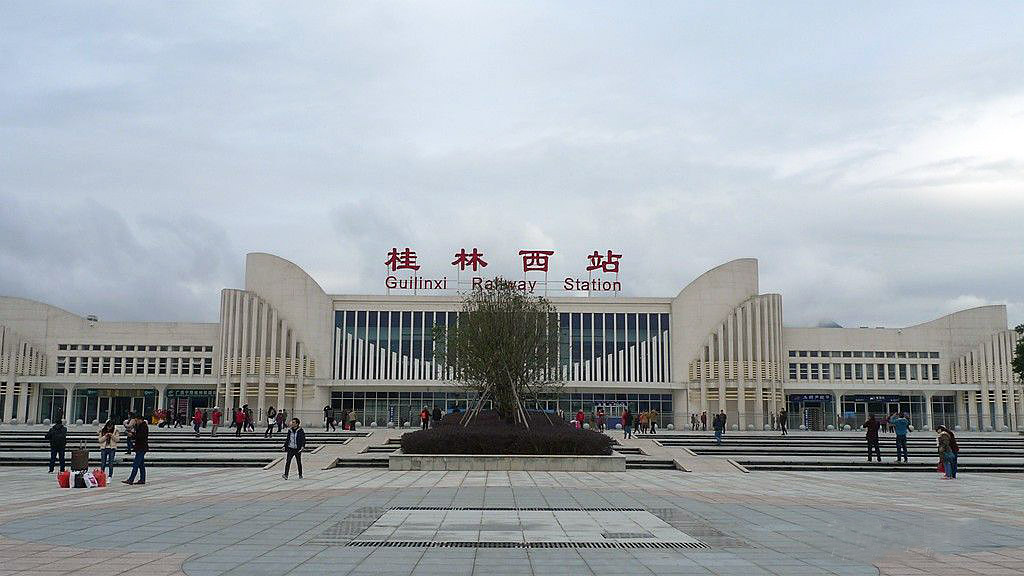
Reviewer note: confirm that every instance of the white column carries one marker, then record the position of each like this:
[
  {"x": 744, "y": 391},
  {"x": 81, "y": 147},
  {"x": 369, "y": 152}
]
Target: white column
[
  {"x": 741, "y": 390},
  {"x": 161, "y": 396},
  {"x": 35, "y": 394},
  {"x": 69, "y": 390},
  {"x": 974, "y": 398},
  {"x": 961, "y": 413},
  {"x": 992, "y": 369},
  {"x": 680, "y": 401},
  {"x": 929, "y": 417},
  {"x": 9, "y": 398},
  {"x": 758, "y": 357},
  {"x": 721, "y": 370},
  {"x": 261, "y": 359}
]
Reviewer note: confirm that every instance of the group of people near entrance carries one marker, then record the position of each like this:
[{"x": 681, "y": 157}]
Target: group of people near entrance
[
  {"x": 700, "y": 422},
  {"x": 430, "y": 416},
  {"x": 135, "y": 430},
  {"x": 348, "y": 419},
  {"x": 899, "y": 424}
]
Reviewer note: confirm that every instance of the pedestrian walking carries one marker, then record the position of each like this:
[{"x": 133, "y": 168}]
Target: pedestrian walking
[
  {"x": 949, "y": 450},
  {"x": 718, "y": 423},
  {"x": 580, "y": 417},
  {"x": 424, "y": 418},
  {"x": 197, "y": 421},
  {"x": 206, "y": 417},
  {"x": 783, "y": 421},
  {"x": 280, "y": 418},
  {"x": 653, "y": 421},
  {"x": 600, "y": 419},
  {"x": 215, "y": 420},
  {"x": 693, "y": 421},
  {"x": 901, "y": 425},
  {"x": 58, "y": 437},
  {"x": 294, "y": 442},
  {"x": 436, "y": 416},
  {"x": 271, "y": 422},
  {"x": 704, "y": 421},
  {"x": 141, "y": 431},
  {"x": 327, "y": 422},
  {"x": 249, "y": 422},
  {"x": 352, "y": 420},
  {"x": 872, "y": 427},
  {"x": 108, "y": 438},
  {"x": 627, "y": 422},
  {"x": 239, "y": 422}
]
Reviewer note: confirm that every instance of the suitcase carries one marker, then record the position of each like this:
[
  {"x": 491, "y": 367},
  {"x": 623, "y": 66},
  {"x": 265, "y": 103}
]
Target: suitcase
[{"x": 80, "y": 458}]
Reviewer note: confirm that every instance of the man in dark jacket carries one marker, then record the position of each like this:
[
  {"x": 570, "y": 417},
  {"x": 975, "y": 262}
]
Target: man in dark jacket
[
  {"x": 294, "y": 442},
  {"x": 718, "y": 423},
  {"x": 436, "y": 416},
  {"x": 872, "y": 426},
  {"x": 141, "y": 447},
  {"x": 58, "y": 437}
]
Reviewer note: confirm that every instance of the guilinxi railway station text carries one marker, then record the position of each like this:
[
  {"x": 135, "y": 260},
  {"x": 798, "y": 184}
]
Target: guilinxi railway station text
[{"x": 533, "y": 261}]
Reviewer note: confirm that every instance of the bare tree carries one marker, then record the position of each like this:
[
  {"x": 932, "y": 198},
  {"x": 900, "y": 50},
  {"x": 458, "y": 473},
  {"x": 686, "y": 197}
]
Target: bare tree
[{"x": 504, "y": 347}]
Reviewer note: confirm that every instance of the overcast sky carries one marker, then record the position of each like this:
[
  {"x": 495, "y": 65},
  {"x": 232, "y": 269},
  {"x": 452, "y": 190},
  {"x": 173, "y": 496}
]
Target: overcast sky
[{"x": 870, "y": 155}]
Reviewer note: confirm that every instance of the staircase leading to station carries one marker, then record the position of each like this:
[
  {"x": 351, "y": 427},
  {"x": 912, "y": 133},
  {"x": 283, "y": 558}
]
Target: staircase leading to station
[{"x": 839, "y": 452}]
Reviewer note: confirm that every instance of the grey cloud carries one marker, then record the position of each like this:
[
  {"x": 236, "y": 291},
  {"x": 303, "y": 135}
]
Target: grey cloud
[{"x": 681, "y": 135}]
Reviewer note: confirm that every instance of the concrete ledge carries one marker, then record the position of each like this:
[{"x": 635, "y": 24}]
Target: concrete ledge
[{"x": 507, "y": 462}]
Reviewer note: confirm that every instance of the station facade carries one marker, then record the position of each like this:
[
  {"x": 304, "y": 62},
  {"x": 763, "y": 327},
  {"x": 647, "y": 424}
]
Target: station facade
[{"x": 719, "y": 344}]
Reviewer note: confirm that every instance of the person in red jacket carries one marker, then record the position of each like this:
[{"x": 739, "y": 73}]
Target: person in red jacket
[
  {"x": 579, "y": 419},
  {"x": 424, "y": 418},
  {"x": 197, "y": 421},
  {"x": 239, "y": 422},
  {"x": 215, "y": 420}
]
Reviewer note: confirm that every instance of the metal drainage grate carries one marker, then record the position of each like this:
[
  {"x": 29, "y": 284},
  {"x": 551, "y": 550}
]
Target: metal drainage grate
[
  {"x": 609, "y": 545},
  {"x": 515, "y": 509},
  {"x": 353, "y": 525},
  {"x": 626, "y": 535},
  {"x": 698, "y": 528}
]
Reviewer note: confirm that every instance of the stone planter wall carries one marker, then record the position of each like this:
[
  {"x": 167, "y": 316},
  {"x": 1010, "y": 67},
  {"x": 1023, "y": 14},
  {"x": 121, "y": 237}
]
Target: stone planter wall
[{"x": 502, "y": 462}]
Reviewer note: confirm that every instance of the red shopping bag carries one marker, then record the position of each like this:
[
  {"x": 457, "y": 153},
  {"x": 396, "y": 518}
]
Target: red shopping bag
[
  {"x": 64, "y": 479},
  {"x": 101, "y": 477}
]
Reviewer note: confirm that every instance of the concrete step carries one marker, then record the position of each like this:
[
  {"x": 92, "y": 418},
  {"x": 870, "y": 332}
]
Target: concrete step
[
  {"x": 387, "y": 449},
  {"x": 372, "y": 462},
  {"x": 875, "y": 467},
  {"x": 632, "y": 450},
  {"x": 650, "y": 464}
]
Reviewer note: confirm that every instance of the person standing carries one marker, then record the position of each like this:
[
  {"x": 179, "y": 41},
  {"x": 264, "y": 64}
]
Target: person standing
[
  {"x": 704, "y": 421},
  {"x": 783, "y": 421},
  {"x": 197, "y": 421},
  {"x": 294, "y": 442},
  {"x": 108, "y": 437},
  {"x": 901, "y": 425},
  {"x": 580, "y": 417},
  {"x": 718, "y": 423},
  {"x": 948, "y": 451},
  {"x": 206, "y": 417},
  {"x": 58, "y": 437},
  {"x": 327, "y": 418},
  {"x": 215, "y": 421},
  {"x": 271, "y": 421},
  {"x": 600, "y": 419},
  {"x": 424, "y": 418},
  {"x": 652, "y": 421},
  {"x": 436, "y": 416},
  {"x": 352, "y": 420},
  {"x": 872, "y": 427},
  {"x": 280, "y": 418},
  {"x": 627, "y": 422},
  {"x": 141, "y": 447},
  {"x": 129, "y": 432}
]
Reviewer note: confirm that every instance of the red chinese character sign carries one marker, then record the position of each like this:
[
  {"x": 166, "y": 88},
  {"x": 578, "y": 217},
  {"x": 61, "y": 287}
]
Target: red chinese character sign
[
  {"x": 598, "y": 265},
  {"x": 473, "y": 260},
  {"x": 606, "y": 263},
  {"x": 404, "y": 260},
  {"x": 535, "y": 260}
]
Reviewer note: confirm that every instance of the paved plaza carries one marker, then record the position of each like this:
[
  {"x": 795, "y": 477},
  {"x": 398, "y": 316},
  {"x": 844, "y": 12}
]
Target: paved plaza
[{"x": 206, "y": 522}]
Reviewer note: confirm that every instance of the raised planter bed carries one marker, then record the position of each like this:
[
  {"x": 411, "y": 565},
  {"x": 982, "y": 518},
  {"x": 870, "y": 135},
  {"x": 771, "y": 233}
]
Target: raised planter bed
[{"x": 507, "y": 462}]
